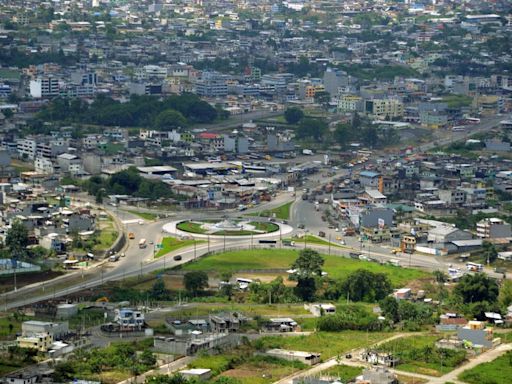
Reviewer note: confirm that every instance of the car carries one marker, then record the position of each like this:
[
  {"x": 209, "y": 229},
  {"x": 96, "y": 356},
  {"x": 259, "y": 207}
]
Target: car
[
  {"x": 151, "y": 243},
  {"x": 348, "y": 356},
  {"x": 301, "y": 226},
  {"x": 177, "y": 258},
  {"x": 337, "y": 229}
]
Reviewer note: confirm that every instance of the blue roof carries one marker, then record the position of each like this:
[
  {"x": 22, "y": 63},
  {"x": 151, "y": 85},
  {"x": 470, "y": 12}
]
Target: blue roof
[{"x": 369, "y": 174}]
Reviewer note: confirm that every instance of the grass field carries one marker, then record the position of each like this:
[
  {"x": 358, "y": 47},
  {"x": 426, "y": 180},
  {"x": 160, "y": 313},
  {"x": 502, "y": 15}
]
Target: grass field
[
  {"x": 190, "y": 226},
  {"x": 343, "y": 372},
  {"x": 170, "y": 244},
  {"x": 144, "y": 215},
  {"x": 107, "y": 235},
  {"x": 4, "y": 326},
  {"x": 265, "y": 227},
  {"x": 327, "y": 343},
  {"x": 335, "y": 266},
  {"x": 310, "y": 239},
  {"x": 282, "y": 212},
  {"x": 498, "y": 371},
  {"x": 418, "y": 354}
]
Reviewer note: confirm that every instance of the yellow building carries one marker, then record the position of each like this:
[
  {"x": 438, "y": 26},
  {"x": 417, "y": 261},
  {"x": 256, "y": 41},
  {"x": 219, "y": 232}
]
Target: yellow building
[{"x": 39, "y": 341}]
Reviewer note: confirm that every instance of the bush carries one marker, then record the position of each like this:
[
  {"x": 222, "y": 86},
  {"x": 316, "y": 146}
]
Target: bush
[{"x": 351, "y": 317}]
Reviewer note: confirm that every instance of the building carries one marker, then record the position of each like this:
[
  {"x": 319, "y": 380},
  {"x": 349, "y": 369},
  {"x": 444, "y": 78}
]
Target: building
[
  {"x": 42, "y": 87},
  {"x": 370, "y": 179},
  {"x": 350, "y": 103},
  {"x": 281, "y": 324},
  {"x": 308, "y": 358},
  {"x": 55, "y": 330},
  {"x": 42, "y": 342},
  {"x": 129, "y": 319},
  {"x": 493, "y": 228},
  {"x": 477, "y": 335},
  {"x": 199, "y": 374},
  {"x": 318, "y": 310},
  {"x": 384, "y": 109}
]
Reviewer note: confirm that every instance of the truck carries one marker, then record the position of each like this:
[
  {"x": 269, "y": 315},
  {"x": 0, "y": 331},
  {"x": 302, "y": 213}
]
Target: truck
[
  {"x": 142, "y": 243},
  {"x": 288, "y": 243},
  {"x": 131, "y": 236},
  {"x": 308, "y": 152}
]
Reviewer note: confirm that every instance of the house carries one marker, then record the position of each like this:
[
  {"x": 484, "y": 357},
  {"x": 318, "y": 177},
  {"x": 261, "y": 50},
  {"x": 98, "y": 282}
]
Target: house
[
  {"x": 374, "y": 196},
  {"x": 21, "y": 378},
  {"x": 129, "y": 319},
  {"x": 199, "y": 374},
  {"x": 493, "y": 228},
  {"x": 193, "y": 343},
  {"x": 55, "y": 330},
  {"x": 320, "y": 309},
  {"x": 281, "y": 324},
  {"x": 476, "y": 334},
  {"x": 450, "y": 322},
  {"x": 370, "y": 179},
  {"x": 308, "y": 358},
  {"x": 226, "y": 322},
  {"x": 381, "y": 358},
  {"x": 38, "y": 341},
  {"x": 402, "y": 294}
]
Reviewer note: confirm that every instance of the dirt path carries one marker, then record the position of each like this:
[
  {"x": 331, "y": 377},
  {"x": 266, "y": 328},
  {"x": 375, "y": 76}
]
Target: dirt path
[
  {"x": 483, "y": 358},
  {"x": 353, "y": 362}
]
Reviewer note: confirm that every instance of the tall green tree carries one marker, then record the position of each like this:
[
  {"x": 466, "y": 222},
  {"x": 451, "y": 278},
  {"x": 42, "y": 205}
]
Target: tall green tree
[
  {"x": 311, "y": 128},
  {"x": 476, "y": 288},
  {"x": 17, "y": 239},
  {"x": 293, "y": 115},
  {"x": 195, "y": 281},
  {"x": 169, "y": 120},
  {"x": 309, "y": 263},
  {"x": 363, "y": 285}
]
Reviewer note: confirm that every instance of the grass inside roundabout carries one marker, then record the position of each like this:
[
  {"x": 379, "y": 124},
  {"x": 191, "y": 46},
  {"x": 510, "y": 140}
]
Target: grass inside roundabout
[{"x": 257, "y": 228}]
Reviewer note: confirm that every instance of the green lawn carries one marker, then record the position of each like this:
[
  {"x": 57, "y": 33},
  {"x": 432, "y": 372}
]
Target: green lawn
[
  {"x": 310, "y": 239},
  {"x": 265, "y": 227},
  {"x": 251, "y": 310},
  {"x": 282, "y": 212},
  {"x": 144, "y": 215},
  {"x": 107, "y": 235},
  {"x": 418, "y": 354},
  {"x": 190, "y": 226},
  {"x": 4, "y": 326},
  {"x": 498, "y": 371},
  {"x": 335, "y": 266},
  {"x": 170, "y": 244},
  {"x": 345, "y": 373},
  {"x": 329, "y": 344}
]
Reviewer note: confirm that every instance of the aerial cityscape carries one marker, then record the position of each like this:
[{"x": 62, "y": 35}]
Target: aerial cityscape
[{"x": 256, "y": 191}]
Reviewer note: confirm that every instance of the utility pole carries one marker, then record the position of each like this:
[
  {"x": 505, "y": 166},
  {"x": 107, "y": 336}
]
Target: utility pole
[{"x": 329, "y": 244}]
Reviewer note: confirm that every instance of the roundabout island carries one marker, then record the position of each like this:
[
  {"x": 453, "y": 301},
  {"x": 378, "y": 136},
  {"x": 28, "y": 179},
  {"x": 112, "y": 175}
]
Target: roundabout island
[{"x": 234, "y": 229}]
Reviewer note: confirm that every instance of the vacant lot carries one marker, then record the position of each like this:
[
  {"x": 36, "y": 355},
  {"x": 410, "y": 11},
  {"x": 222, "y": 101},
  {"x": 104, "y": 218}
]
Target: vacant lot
[
  {"x": 345, "y": 373},
  {"x": 282, "y": 212},
  {"x": 170, "y": 244},
  {"x": 335, "y": 266},
  {"x": 418, "y": 354},
  {"x": 498, "y": 371},
  {"x": 329, "y": 344}
]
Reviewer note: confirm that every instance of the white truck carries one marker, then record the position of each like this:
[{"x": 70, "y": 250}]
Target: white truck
[
  {"x": 308, "y": 152},
  {"x": 142, "y": 243}
]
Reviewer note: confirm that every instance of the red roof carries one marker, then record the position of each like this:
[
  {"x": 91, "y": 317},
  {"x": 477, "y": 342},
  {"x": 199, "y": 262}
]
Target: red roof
[{"x": 207, "y": 135}]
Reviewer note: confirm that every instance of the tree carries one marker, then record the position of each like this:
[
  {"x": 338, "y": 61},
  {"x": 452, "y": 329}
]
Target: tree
[
  {"x": 309, "y": 263},
  {"x": 293, "y": 115},
  {"x": 195, "y": 281},
  {"x": 489, "y": 251},
  {"x": 159, "y": 291},
  {"x": 363, "y": 285},
  {"x": 505, "y": 296},
  {"x": 311, "y": 128},
  {"x": 147, "y": 358},
  {"x": 475, "y": 288},
  {"x": 439, "y": 276},
  {"x": 389, "y": 307},
  {"x": 306, "y": 288},
  {"x": 17, "y": 239},
  {"x": 169, "y": 120}
]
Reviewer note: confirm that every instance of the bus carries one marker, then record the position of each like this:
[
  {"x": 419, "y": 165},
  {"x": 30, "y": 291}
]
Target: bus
[
  {"x": 267, "y": 241},
  {"x": 459, "y": 128},
  {"x": 474, "y": 267},
  {"x": 142, "y": 243},
  {"x": 472, "y": 120}
]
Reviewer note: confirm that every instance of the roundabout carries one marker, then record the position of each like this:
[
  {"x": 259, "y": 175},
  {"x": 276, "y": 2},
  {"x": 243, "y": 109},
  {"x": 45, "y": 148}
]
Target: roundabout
[{"x": 225, "y": 228}]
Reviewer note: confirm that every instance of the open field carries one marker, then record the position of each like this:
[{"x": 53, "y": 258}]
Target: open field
[
  {"x": 170, "y": 244},
  {"x": 107, "y": 235},
  {"x": 310, "y": 239},
  {"x": 418, "y": 354},
  {"x": 335, "y": 266},
  {"x": 192, "y": 227},
  {"x": 282, "y": 212},
  {"x": 343, "y": 372},
  {"x": 329, "y": 344},
  {"x": 144, "y": 215},
  {"x": 498, "y": 371}
]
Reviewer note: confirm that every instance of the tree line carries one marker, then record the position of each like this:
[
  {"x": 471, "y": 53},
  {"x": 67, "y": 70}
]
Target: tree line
[{"x": 177, "y": 111}]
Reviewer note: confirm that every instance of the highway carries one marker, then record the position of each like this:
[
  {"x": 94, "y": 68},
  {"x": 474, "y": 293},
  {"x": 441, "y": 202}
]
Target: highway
[{"x": 140, "y": 261}]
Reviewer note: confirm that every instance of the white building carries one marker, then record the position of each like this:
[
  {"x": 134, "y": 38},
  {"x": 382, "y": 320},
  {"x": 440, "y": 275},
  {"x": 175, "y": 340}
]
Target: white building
[
  {"x": 47, "y": 86},
  {"x": 44, "y": 166}
]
